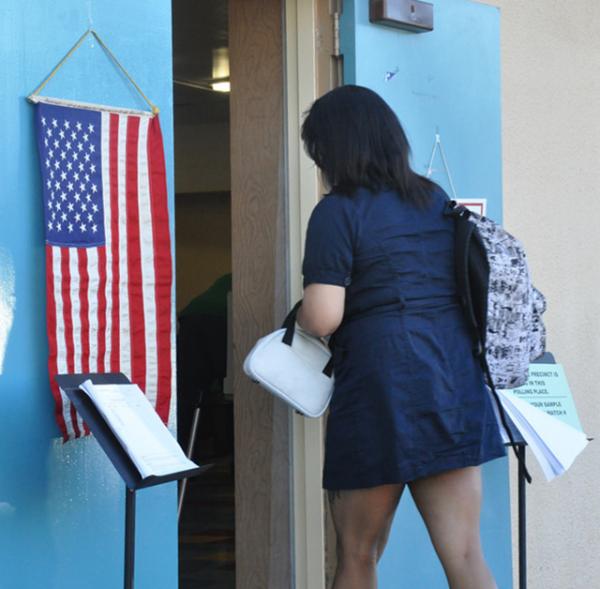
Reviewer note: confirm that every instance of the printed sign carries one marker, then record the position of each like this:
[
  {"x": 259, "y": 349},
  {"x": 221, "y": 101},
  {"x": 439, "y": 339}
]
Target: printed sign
[
  {"x": 477, "y": 205},
  {"x": 548, "y": 390}
]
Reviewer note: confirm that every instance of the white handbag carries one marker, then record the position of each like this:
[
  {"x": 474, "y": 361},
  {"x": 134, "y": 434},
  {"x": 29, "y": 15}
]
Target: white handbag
[{"x": 294, "y": 366}]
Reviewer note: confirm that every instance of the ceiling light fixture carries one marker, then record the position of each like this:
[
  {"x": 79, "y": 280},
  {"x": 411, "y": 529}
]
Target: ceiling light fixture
[{"x": 220, "y": 70}]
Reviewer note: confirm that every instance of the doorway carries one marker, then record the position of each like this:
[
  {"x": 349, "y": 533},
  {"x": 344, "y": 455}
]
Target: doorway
[
  {"x": 261, "y": 495},
  {"x": 203, "y": 252}
]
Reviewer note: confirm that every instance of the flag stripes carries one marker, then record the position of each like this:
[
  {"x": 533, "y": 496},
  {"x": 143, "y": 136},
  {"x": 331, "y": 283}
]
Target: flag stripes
[{"x": 110, "y": 304}]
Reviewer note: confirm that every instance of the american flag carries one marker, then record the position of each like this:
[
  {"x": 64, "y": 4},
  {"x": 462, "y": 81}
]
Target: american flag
[{"x": 108, "y": 251}]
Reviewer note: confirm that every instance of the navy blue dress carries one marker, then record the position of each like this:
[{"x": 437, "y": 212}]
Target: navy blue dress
[{"x": 409, "y": 398}]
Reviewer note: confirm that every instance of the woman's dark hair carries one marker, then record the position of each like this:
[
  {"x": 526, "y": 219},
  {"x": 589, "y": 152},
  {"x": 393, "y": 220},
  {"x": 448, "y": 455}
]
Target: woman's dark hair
[{"x": 356, "y": 139}]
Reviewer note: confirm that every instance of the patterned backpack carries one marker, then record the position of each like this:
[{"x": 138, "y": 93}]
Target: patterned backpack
[{"x": 503, "y": 309}]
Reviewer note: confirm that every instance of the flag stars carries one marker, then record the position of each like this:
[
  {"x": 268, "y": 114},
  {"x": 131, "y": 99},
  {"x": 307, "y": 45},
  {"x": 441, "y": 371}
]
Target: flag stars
[
  {"x": 47, "y": 163},
  {"x": 80, "y": 146},
  {"x": 91, "y": 128},
  {"x": 94, "y": 228},
  {"x": 68, "y": 145},
  {"x": 73, "y": 136},
  {"x": 78, "y": 126},
  {"x": 82, "y": 228},
  {"x": 50, "y": 205},
  {"x": 58, "y": 226},
  {"x": 63, "y": 196},
  {"x": 76, "y": 196},
  {"x": 43, "y": 121},
  {"x": 69, "y": 166},
  {"x": 87, "y": 177},
  {"x": 86, "y": 157},
  {"x": 50, "y": 225},
  {"x": 61, "y": 134},
  {"x": 54, "y": 123},
  {"x": 93, "y": 148},
  {"x": 63, "y": 217},
  {"x": 80, "y": 166},
  {"x": 63, "y": 155},
  {"x": 88, "y": 197},
  {"x": 70, "y": 187},
  {"x": 86, "y": 137},
  {"x": 56, "y": 165},
  {"x": 83, "y": 207},
  {"x": 76, "y": 177},
  {"x": 46, "y": 141},
  {"x": 70, "y": 227},
  {"x": 82, "y": 186},
  {"x": 50, "y": 154},
  {"x": 77, "y": 217},
  {"x": 75, "y": 155},
  {"x": 63, "y": 175},
  {"x": 49, "y": 184},
  {"x": 57, "y": 185},
  {"x": 49, "y": 132},
  {"x": 94, "y": 188},
  {"x": 52, "y": 174},
  {"x": 57, "y": 206},
  {"x": 70, "y": 206},
  {"x": 93, "y": 168},
  {"x": 66, "y": 124},
  {"x": 90, "y": 217},
  {"x": 95, "y": 208}
]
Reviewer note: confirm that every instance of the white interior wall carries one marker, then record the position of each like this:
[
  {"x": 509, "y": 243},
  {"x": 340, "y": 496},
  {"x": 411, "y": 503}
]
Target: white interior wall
[{"x": 551, "y": 153}]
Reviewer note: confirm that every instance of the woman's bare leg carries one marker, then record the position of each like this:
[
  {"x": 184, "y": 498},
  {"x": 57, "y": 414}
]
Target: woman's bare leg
[
  {"x": 362, "y": 520},
  {"x": 450, "y": 505}
]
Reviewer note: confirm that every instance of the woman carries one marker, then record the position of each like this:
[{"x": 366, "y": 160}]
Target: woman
[{"x": 410, "y": 405}]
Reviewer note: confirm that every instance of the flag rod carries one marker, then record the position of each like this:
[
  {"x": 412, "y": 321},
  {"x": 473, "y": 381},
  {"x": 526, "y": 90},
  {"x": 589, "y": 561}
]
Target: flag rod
[{"x": 32, "y": 97}]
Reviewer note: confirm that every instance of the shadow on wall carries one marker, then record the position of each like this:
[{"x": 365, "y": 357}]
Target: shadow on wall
[{"x": 7, "y": 301}]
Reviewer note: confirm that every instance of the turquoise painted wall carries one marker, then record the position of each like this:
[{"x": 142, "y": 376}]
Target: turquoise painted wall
[
  {"x": 447, "y": 80},
  {"x": 61, "y": 506}
]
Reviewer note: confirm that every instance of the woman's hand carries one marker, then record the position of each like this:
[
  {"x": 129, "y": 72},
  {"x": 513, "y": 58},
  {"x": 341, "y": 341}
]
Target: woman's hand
[{"x": 322, "y": 309}]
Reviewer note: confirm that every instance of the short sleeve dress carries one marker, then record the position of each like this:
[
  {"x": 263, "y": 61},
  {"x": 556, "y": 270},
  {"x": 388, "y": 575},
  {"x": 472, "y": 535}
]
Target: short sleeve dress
[{"x": 409, "y": 397}]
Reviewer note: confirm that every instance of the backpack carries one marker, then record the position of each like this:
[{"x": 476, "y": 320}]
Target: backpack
[{"x": 503, "y": 309}]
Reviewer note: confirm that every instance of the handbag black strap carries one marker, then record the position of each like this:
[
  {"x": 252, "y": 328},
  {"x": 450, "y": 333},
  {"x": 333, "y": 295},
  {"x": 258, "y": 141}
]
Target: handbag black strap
[{"x": 289, "y": 324}]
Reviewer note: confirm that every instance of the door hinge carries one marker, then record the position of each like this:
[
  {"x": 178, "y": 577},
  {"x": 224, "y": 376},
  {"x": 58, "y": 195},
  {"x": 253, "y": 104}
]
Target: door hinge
[{"x": 336, "y": 34}]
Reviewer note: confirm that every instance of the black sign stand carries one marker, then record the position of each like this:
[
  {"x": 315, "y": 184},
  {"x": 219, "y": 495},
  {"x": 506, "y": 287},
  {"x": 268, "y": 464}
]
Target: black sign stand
[
  {"x": 521, "y": 444},
  {"x": 69, "y": 383}
]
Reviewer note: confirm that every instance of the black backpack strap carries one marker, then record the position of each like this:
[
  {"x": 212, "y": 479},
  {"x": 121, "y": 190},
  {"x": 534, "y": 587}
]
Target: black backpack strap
[
  {"x": 502, "y": 413},
  {"x": 472, "y": 275}
]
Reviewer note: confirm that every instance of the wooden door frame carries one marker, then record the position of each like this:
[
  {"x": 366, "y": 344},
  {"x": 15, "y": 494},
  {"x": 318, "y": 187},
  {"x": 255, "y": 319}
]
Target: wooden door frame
[
  {"x": 262, "y": 425},
  {"x": 275, "y": 48}
]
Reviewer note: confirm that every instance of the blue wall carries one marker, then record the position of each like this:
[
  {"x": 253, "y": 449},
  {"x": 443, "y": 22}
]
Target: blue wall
[
  {"x": 447, "y": 80},
  {"x": 61, "y": 506}
]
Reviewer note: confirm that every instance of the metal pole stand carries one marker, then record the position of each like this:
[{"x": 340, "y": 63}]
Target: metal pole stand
[
  {"x": 522, "y": 519},
  {"x": 129, "y": 537}
]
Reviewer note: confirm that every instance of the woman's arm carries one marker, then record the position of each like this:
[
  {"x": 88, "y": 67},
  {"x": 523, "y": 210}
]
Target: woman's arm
[{"x": 322, "y": 309}]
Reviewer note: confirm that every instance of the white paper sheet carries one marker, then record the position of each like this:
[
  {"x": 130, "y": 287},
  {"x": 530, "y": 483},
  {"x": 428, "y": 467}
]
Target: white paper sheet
[
  {"x": 138, "y": 427},
  {"x": 554, "y": 443}
]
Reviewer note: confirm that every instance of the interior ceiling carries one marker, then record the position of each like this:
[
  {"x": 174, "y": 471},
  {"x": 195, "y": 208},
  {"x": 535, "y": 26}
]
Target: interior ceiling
[{"x": 199, "y": 26}]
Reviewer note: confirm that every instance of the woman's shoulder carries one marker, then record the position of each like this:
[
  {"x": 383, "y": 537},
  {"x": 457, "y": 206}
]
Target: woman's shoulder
[{"x": 335, "y": 203}]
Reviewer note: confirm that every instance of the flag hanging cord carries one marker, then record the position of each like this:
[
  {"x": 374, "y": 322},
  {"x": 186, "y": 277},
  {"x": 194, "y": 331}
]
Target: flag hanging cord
[{"x": 34, "y": 94}]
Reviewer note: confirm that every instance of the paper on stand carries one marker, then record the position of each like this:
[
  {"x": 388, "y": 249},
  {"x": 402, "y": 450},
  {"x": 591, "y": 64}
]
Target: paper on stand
[
  {"x": 554, "y": 443},
  {"x": 138, "y": 427}
]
